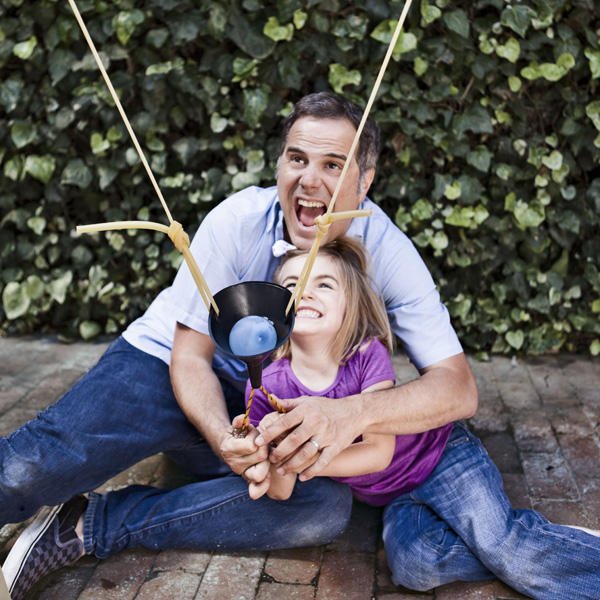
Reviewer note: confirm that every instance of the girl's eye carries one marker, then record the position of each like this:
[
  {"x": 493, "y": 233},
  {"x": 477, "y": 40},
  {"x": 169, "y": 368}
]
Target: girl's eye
[
  {"x": 325, "y": 285},
  {"x": 290, "y": 286}
]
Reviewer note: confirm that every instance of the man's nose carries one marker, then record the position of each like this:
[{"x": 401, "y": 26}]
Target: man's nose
[{"x": 310, "y": 178}]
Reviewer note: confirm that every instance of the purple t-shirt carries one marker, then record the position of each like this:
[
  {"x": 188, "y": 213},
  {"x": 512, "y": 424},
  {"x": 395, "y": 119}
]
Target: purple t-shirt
[{"x": 415, "y": 455}]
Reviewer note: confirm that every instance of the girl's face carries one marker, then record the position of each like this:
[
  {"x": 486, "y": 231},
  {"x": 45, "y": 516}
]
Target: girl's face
[{"x": 323, "y": 304}]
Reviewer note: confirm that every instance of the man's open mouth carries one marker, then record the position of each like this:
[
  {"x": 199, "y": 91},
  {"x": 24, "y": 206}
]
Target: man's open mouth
[{"x": 308, "y": 210}]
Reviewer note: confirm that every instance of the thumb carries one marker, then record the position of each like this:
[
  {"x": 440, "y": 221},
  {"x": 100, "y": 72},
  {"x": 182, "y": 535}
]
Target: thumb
[
  {"x": 238, "y": 421},
  {"x": 288, "y": 403}
]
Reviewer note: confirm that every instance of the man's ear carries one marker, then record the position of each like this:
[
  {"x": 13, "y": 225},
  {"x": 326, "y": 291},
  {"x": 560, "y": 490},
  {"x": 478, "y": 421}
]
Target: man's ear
[{"x": 367, "y": 181}]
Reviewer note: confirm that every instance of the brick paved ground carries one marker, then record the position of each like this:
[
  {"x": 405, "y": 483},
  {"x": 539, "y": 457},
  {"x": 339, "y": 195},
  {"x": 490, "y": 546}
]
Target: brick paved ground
[{"x": 538, "y": 418}]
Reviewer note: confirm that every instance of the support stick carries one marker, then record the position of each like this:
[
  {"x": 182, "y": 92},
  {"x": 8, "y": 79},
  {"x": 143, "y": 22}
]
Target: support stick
[{"x": 300, "y": 285}]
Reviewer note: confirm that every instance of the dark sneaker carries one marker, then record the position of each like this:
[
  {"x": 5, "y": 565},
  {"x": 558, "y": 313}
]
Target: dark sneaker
[{"x": 47, "y": 544}]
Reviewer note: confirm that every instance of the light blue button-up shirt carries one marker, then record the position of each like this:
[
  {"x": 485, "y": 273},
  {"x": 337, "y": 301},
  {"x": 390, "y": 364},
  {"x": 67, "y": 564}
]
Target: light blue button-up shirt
[{"x": 242, "y": 239}]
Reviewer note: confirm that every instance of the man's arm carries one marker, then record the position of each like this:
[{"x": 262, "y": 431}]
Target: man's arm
[
  {"x": 445, "y": 392},
  {"x": 199, "y": 394}
]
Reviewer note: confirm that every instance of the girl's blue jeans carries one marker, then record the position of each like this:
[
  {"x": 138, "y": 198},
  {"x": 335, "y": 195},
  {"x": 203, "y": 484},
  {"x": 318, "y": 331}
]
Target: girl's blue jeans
[
  {"x": 459, "y": 525},
  {"x": 122, "y": 411}
]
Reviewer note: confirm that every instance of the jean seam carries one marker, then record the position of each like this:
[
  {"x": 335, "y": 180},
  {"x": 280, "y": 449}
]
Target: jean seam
[
  {"x": 89, "y": 539},
  {"x": 240, "y": 498}
]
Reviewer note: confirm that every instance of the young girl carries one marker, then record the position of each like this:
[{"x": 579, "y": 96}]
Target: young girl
[
  {"x": 447, "y": 517},
  {"x": 340, "y": 346}
]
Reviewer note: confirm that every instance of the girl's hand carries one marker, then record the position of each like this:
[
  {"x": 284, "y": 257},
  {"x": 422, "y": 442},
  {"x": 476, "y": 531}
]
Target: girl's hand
[{"x": 328, "y": 422}]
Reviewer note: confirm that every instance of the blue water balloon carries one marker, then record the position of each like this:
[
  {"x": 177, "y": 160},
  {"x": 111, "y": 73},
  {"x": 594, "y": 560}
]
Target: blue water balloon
[{"x": 252, "y": 335}]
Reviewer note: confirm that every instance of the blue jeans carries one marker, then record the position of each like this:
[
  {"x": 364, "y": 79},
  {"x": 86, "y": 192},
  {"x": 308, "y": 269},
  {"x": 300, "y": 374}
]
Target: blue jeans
[
  {"x": 122, "y": 411},
  {"x": 459, "y": 526}
]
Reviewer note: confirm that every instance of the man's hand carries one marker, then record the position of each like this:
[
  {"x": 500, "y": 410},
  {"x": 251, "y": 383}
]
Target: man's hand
[
  {"x": 247, "y": 459},
  {"x": 314, "y": 431}
]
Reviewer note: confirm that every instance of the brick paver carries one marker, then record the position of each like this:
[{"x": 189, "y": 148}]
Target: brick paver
[{"x": 538, "y": 418}]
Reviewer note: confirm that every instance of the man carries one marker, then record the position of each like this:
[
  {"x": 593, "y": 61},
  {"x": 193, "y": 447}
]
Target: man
[{"x": 163, "y": 386}]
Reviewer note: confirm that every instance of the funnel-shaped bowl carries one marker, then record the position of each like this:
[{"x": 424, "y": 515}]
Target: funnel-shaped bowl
[{"x": 242, "y": 300}]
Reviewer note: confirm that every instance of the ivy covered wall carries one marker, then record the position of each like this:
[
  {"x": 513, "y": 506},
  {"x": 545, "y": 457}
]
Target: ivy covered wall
[{"x": 490, "y": 118}]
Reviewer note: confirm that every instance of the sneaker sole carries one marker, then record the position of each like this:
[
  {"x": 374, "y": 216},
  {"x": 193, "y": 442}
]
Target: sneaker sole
[{"x": 25, "y": 543}]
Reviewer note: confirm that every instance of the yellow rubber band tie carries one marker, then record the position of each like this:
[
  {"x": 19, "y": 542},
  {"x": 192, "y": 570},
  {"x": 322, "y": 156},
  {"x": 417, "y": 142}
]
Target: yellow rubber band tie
[{"x": 178, "y": 236}]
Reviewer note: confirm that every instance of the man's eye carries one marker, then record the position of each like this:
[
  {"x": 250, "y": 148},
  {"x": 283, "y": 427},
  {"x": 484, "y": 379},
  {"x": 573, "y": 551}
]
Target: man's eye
[{"x": 334, "y": 166}]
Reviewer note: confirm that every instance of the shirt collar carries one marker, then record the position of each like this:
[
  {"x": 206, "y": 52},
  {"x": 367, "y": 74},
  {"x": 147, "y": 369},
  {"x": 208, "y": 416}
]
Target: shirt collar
[{"x": 281, "y": 246}]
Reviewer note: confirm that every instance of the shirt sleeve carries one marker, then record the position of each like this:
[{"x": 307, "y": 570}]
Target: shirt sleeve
[
  {"x": 375, "y": 364},
  {"x": 417, "y": 316}
]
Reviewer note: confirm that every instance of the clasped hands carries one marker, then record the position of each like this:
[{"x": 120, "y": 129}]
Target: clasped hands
[{"x": 307, "y": 437}]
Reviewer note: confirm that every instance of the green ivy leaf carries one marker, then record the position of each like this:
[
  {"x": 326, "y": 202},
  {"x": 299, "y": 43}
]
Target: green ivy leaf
[
  {"x": 40, "y": 167},
  {"x": 480, "y": 158},
  {"x": 510, "y": 51},
  {"x": 528, "y": 215},
  {"x": 15, "y": 300},
  {"x": 58, "y": 287},
  {"x": 592, "y": 110},
  {"x": 518, "y": 18},
  {"x": 76, "y": 173},
  {"x": 452, "y": 191},
  {"x": 593, "y": 57},
  {"x": 514, "y": 83},
  {"x": 340, "y": 76},
  {"x": 553, "y": 161},
  {"x": 37, "y": 224},
  {"x": 24, "y": 50},
  {"x": 89, "y": 329},
  {"x": 475, "y": 118},
  {"x": 429, "y": 13},
  {"x": 98, "y": 144},
  {"x": 384, "y": 32},
  {"x": 595, "y": 347},
  {"x": 34, "y": 287},
  {"x": 256, "y": 102},
  {"x": 163, "y": 68},
  {"x": 420, "y": 66},
  {"x": 125, "y": 22},
  {"x": 300, "y": 18},
  {"x": 10, "y": 93},
  {"x": 277, "y": 32},
  {"x": 457, "y": 21},
  {"x": 515, "y": 338},
  {"x": 23, "y": 133}
]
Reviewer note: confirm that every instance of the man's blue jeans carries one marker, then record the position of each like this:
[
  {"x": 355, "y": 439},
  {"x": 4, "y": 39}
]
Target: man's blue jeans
[
  {"x": 459, "y": 525},
  {"x": 122, "y": 411}
]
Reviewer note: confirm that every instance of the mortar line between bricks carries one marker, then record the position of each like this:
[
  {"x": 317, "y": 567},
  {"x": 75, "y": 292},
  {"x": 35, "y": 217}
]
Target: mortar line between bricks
[
  {"x": 260, "y": 577},
  {"x": 212, "y": 554}
]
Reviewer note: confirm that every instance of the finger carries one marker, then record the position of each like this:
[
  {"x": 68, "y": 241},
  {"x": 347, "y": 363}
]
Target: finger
[
  {"x": 257, "y": 490},
  {"x": 292, "y": 443},
  {"x": 258, "y": 472},
  {"x": 305, "y": 456},
  {"x": 323, "y": 459},
  {"x": 279, "y": 425}
]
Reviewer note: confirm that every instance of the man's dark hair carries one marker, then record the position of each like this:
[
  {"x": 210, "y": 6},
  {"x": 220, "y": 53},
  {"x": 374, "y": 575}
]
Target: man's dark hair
[{"x": 325, "y": 105}]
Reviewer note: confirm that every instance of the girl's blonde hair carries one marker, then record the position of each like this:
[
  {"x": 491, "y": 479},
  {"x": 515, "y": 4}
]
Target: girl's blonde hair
[{"x": 365, "y": 315}]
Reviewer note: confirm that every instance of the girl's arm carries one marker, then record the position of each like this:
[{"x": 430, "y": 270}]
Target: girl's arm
[{"x": 371, "y": 455}]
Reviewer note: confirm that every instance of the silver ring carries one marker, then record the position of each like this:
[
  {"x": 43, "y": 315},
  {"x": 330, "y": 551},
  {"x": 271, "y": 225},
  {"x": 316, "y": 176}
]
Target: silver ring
[{"x": 313, "y": 441}]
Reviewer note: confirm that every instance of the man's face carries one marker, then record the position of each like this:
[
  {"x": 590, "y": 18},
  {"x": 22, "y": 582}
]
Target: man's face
[{"x": 309, "y": 168}]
